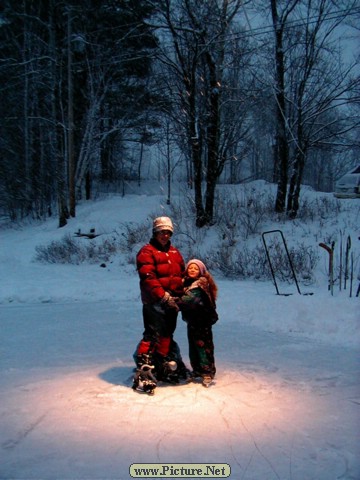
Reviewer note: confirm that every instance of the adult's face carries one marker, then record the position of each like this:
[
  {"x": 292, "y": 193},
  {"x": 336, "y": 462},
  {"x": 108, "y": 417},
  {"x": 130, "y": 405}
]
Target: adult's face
[{"x": 163, "y": 237}]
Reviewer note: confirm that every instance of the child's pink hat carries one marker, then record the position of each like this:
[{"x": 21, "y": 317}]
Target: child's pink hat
[{"x": 199, "y": 263}]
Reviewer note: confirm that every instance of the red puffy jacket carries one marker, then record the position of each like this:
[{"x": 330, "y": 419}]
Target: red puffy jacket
[{"x": 161, "y": 269}]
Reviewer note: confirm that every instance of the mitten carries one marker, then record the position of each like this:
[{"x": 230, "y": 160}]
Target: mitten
[{"x": 168, "y": 302}]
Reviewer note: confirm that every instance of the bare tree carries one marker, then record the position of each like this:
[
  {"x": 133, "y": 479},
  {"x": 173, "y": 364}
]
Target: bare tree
[
  {"x": 200, "y": 57},
  {"x": 312, "y": 89},
  {"x": 281, "y": 148}
]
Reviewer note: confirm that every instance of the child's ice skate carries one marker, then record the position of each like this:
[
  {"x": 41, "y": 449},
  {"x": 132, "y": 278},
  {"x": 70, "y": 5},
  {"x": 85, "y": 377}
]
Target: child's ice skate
[{"x": 207, "y": 380}]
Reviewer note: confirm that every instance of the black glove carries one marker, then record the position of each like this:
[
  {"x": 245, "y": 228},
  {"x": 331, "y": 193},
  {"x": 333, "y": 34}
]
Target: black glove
[{"x": 168, "y": 302}]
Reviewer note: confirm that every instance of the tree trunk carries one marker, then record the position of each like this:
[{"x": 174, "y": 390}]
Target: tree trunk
[
  {"x": 70, "y": 133},
  {"x": 281, "y": 162},
  {"x": 295, "y": 184},
  {"x": 56, "y": 130},
  {"x": 168, "y": 161},
  {"x": 140, "y": 162},
  {"x": 88, "y": 186},
  {"x": 196, "y": 157},
  {"x": 281, "y": 147},
  {"x": 27, "y": 193},
  {"x": 213, "y": 142}
]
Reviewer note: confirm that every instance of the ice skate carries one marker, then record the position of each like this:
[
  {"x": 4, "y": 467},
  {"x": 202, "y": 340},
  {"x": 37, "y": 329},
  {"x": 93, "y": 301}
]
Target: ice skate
[
  {"x": 207, "y": 380},
  {"x": 144, "y": 379},
  {"x": 167, "y": 371}
]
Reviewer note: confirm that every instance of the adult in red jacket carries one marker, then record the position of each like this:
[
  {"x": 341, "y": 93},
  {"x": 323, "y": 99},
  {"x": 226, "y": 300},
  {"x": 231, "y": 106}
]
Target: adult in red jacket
[{"x": 161, "y": 269}]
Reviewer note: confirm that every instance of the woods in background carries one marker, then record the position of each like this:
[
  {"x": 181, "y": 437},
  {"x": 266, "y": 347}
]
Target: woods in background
[{"x": 89, "y": 89}]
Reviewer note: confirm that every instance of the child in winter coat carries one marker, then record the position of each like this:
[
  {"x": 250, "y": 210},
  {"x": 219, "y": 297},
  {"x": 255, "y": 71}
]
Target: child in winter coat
[{"x": 198, "y": 308}]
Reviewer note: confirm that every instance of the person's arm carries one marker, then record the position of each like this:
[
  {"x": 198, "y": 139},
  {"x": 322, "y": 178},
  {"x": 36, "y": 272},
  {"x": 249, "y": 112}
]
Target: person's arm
[
  {"x": 196, "y": 299},
  {"x": 145, "y": 263},
  {"x": 191, "y": 300}
]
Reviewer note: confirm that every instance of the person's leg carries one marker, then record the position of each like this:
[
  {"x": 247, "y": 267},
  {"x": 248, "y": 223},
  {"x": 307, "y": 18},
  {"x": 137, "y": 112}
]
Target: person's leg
[
  {"x": 174, "y": 354},
  {"x": 201, "y": 350},
  {"x": 144, "y": 378},
  {"x": 159, "y": 327},
  {"x": 193, "y": 350}
]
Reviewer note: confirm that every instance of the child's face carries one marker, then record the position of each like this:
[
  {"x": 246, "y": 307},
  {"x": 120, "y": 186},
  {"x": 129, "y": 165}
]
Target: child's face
[{"x": 193, "y": 270}]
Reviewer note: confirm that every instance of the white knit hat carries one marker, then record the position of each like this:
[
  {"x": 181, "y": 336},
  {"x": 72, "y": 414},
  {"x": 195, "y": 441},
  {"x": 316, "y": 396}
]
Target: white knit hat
[
  {"x": 162, "y": 223},
  {"x": 199, "y": 263}
]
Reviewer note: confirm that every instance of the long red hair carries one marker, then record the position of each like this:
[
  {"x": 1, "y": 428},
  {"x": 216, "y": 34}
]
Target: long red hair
[{"x": 213, "y": 289}]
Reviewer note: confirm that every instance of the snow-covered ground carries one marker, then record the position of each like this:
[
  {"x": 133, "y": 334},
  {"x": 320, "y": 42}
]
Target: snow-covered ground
[{"x": 285, "y": 404}]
